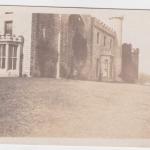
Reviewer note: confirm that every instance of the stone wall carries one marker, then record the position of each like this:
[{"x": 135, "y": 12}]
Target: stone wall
[
  {"x": 79, "y": 50},
  {"x": 130, "y": 60},
  {"x": 75, "y": 46},
  {"x": 103, "y": 40},
  {"x": 44, "y": 45}
]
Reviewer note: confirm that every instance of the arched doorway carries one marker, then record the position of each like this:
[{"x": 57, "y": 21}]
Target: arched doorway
[
  {"x": 77, "y": 45},
  {"x": 106, "y": 68}
]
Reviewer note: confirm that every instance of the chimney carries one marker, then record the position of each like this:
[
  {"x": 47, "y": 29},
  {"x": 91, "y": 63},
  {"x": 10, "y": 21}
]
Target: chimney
[{"x": 117, "y": 23}]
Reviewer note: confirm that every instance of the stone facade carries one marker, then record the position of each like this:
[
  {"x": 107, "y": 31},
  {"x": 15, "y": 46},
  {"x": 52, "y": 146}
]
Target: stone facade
[
  {"x": 66, "y": 45},
  {"x": 87, "y": 47}
]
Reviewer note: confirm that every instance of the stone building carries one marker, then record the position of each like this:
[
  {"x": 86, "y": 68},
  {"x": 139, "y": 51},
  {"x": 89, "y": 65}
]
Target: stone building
[
  {"x": 130, "y": 63},
  {"x": 59, "y": 46}
]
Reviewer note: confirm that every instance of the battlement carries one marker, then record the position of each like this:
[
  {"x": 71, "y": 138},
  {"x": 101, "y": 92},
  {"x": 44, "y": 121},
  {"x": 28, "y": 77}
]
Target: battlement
[{"x": 104, "y": 27}]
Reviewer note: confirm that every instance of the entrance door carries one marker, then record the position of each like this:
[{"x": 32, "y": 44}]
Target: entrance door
[{"x": 106, "y": 68}]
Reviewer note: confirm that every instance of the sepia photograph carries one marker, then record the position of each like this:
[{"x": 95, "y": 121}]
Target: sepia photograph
[{"x": 74, "y": 72}]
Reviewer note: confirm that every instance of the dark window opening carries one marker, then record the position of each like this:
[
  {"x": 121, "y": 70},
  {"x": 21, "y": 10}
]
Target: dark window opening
[
  {"x": 104, "y": 40},
  {"x": 8, "y": 27},
  {"x": 9, "y": 12}
]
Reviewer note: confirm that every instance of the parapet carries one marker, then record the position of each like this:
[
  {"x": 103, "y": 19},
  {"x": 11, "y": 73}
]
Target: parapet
[{"x": 104, "y": 27}]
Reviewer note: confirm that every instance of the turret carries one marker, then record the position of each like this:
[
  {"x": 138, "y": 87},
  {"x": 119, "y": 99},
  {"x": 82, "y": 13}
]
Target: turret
[{"x": 117, "y": 23}]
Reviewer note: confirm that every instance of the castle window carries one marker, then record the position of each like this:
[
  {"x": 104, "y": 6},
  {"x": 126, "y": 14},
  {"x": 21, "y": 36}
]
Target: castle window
[
  {"x": 97, "y": 37},
  {"x": 2, "y": 56},
  {"x": 8, "y": 27},
  {"x": 110, "y": 43},
  {"x": 104, "y": 41},
  {"x": 12, "y": 57}
]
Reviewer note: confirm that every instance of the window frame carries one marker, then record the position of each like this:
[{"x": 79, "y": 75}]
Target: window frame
[
  {"x": 8, "y": 31},
  {"x": 2, "y": 57},
  {"x": 12, "y": 59}
]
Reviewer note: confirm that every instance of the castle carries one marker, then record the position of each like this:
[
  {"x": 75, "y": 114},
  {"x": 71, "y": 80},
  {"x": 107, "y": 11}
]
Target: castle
[{"x": 60, "y": 46}]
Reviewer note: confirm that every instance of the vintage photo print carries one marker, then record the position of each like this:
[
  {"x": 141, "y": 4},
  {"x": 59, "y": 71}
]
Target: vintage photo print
[{"x": 75, "y": 73}]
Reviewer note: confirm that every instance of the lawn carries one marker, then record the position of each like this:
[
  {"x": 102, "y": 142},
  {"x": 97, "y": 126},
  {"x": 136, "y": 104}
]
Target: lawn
[{"x": 72, "y": 108}]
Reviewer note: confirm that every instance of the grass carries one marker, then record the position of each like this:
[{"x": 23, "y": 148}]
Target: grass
[{"x": 71, "y": 108}]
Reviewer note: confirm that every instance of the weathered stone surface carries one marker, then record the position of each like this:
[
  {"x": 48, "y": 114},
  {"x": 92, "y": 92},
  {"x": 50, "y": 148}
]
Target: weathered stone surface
[
  {"x": 80, "y": 48},
  {"x": 130, "y": 60}
]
